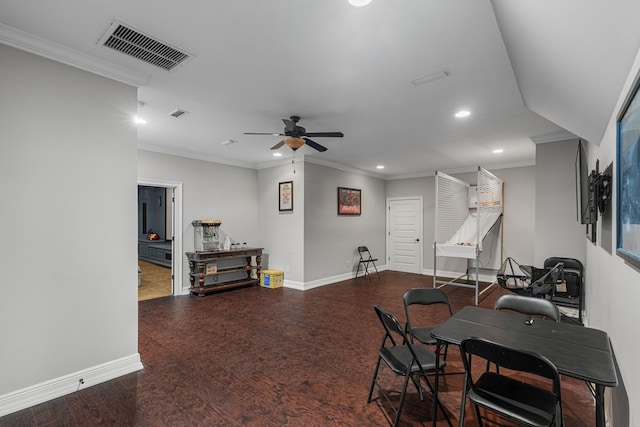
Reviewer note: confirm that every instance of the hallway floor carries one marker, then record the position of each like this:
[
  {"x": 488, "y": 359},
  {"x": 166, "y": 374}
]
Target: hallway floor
[{"x": 155, "y": 281}]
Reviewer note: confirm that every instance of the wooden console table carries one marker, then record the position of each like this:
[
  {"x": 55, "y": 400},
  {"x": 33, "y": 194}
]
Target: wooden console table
[{"x": 217, "y": 270}]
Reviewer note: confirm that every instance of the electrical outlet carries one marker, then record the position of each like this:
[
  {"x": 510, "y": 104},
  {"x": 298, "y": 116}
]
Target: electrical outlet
[
  {"x": 287, "y": 269},
  {"x": 348, "y": 262}
]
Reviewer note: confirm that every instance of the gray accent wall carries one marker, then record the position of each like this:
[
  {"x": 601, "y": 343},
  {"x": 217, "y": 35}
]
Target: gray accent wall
[
  {"x": 68, "y": 296},
  {"x": 282, "y": 233},
  {"x": 558, "y": 232},
  {"x": 331, "y": 240}
]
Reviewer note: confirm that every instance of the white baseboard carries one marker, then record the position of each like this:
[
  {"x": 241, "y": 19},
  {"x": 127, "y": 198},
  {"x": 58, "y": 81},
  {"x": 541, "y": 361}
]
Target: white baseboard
[
  {"x": 305, "y": 286},
  {"x": 57, "y": 387}
]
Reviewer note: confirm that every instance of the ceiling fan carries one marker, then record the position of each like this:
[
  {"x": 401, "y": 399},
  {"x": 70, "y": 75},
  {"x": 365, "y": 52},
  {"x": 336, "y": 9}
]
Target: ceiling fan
[{"x": 298, "y": 136}]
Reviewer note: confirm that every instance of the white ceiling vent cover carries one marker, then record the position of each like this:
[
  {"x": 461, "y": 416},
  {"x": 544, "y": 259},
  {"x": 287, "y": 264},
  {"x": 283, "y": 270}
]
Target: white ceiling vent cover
[{"x": 126, "y": 39}]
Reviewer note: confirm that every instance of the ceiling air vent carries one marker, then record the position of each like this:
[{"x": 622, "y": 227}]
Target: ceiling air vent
[
  {"x": 177, "y": 113},
  {"x": 128, "y": 40}
]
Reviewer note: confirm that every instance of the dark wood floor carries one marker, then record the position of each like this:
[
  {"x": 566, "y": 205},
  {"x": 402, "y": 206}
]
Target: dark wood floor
[{"x": 268, "y": 357}]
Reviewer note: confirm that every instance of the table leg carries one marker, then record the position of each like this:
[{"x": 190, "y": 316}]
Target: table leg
[
  {"x": 436, "y": 380},
  {"x": 600, "y": 406}
]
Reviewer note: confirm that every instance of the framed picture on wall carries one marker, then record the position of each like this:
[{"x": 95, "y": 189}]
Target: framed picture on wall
[
  {"x": 628, "y": 179},
  {"x": 285, "y": 196},
  {"x": 349, "y": 201}
]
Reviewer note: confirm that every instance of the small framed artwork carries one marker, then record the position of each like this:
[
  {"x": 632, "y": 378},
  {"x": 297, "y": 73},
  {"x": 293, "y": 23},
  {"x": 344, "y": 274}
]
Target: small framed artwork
[
  {"x": 349, "y": 201},
  {"x": 285, "y": 196}
]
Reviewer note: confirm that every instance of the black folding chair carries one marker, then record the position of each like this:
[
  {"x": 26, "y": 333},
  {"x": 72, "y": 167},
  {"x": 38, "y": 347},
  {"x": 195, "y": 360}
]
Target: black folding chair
[
  {"x": 365, "y": 260},
  {"x": 404, "y": 359},
  {"x": 569, "y": 289},
  {"x": 507, "y": 395},
  {"x": 414, "y": 301}
]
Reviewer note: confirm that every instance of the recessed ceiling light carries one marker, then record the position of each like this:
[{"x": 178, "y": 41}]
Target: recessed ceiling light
[
  {"x": 277, "y": 154},
  {"x": 359, "y": 3},
  {"x": 498, "y": 151},
  {"x": 463, "y": 113},
  {"x": 228, "y": 142},
  {"x": 380, "y": 167},
  {"x": 139, "y": 120}
]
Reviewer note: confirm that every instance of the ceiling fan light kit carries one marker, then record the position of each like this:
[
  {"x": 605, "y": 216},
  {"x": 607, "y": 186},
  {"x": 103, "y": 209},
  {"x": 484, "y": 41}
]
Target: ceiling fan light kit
[
  {"x": 294, "y": 143},
  {"x": 298, "y": 136}
]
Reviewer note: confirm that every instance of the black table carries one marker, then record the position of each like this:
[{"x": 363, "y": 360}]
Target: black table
[{"x": 578, "y": 352}]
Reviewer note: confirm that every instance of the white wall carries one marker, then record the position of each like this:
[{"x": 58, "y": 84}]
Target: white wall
[
  {"x": 68, "y": 293},
  {"x": 558, "y": 231},
  {"x": 331, "y": 240},
  {"x": 282, "y": 233},
  {"x": 519, "y": 212},
  {"x": 613, "y": 287},
  {"x": 210, "y": 191}
]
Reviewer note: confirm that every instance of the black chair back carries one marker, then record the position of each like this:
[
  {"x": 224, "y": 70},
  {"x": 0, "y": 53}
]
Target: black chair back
[
  {"x": 509, "y": 358},
  {"x": 567, "y": 263},
  {"x": 528, "y": 305},
  {"x": 364, "y": 252},
  {"x": 527, "y": 401},
  {"x": 391, "y": 326},
  {"x": 426, "y": 296}
]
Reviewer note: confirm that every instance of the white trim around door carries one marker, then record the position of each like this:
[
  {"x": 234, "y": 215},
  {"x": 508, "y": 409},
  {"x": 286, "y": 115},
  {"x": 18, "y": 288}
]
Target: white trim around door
[
  {"x": 405, "y": 242},
  {"x": 176, "y": 256}
]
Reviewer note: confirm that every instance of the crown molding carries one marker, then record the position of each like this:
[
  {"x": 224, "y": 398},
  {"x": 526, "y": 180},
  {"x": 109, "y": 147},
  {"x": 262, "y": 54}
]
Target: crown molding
[
  {"x": 341, "y": 167},
  {"x": 57, "y": 52},
  {"x": 561, "y": 135},
  {"x": 280, "y": 161},
  {"x": 489, "y": 167},
  {"x": 194, "y": 156}
]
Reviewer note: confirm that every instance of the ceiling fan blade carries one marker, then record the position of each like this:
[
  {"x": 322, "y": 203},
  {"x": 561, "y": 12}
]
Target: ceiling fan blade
[
  {"x": 325, "y": 134},
  {"x": 278, "y": 145},
  {"x": 315, "y": 145},
  {"x": 289, "y": 125},
  {"x": 264, "y": 133}
]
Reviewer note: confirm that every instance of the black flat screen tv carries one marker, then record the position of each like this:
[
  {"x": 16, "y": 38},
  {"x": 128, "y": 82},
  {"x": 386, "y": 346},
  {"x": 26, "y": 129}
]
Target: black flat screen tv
[{"x": 586, "y": 188}]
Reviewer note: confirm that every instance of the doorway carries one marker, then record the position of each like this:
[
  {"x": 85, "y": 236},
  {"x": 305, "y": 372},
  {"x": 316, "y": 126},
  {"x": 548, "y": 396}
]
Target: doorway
[
  {"x": 404, "y": 234},
  {"x": 159, "y": 239}
]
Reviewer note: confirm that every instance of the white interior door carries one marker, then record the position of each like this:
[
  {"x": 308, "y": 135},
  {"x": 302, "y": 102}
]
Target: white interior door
[{"x": 404, "y": 234}]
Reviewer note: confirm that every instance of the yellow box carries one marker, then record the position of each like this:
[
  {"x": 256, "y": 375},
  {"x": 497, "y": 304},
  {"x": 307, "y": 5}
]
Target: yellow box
[{"x": 272, "y": 278}]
